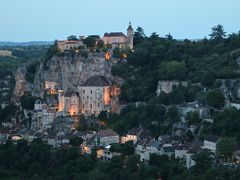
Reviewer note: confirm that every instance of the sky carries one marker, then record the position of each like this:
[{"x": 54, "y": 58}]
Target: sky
[{"x": 47, "y": 20}]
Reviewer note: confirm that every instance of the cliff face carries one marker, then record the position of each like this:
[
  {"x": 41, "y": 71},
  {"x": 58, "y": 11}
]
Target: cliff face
[
  {"x": 69, "y": 72},
  {"x": 21, "y": 85}
]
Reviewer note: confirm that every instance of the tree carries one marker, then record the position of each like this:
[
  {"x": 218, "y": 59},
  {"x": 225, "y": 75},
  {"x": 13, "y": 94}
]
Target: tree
[
  {"x": 133, "y": 162},
  {"x": 226, "y": 147},
  {"x": 173, "y": 115},
  {"x": 72, "y": 38},
  {"x": 207, "y": 79},
  {"x": 100, "y": 44},
  {"x": 193, "y": 117},
  {"x": 90, "y": 42},
  {"x": 27, "y": 101},
  {"x": 138, "y": 36},
  {"x": 75, "y": 141},
  {"x": 203, "y": 161},
  {"x": 218, "y": 33},
  {"x": 172, "y": 70},
  {"x": 215, "y": 98}
]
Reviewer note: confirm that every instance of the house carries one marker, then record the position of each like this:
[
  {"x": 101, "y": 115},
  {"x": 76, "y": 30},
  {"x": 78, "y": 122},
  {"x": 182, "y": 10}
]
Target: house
[
  {"x": 168, "y": 86},
  {"x": 107, "y": 154},
  {"x": 145, "y": 149},
  {"x": 189, "y": 158},
  {"x": 39, "y": 105},
  {"x": 180, "y": 152},
  {"x": 43, "y": 118},
  {"x": 106, "y": 137},
  {"x": 132, "y": 135},
  {"x": 119, "y": 39},
  {"x": 95, "y": 95},
  {"x": 167, "y": 149},
  {"x": 210, "y": 143},
  {"x": 69, "y": 45}
]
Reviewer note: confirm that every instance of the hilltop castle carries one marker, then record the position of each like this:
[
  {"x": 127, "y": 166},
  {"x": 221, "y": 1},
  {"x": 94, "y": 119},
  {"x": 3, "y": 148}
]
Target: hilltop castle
[{"x": 120, "y": 40}]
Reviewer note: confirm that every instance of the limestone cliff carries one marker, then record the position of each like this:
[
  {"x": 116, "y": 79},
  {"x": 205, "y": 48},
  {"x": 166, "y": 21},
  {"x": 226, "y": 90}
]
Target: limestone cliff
[
  {"x": 71, "y": 71},
  {"x": 21, "y": 85}
]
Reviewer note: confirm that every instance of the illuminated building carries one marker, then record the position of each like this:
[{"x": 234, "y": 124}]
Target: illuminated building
[
  {"x": 120, "y": 40},
  {"x": 94, "y": 95},
  {"x": 68, "y": 103}
]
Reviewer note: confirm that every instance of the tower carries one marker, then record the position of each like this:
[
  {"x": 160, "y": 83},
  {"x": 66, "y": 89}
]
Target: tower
[
  {"x": 61, "y": 102},
  {"x": 130, "y": 36}
]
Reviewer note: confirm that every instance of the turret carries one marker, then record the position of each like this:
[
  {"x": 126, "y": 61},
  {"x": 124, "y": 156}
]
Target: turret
[{"x": 130, "y": 36}]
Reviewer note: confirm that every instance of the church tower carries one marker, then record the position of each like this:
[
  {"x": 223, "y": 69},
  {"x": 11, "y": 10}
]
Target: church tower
[{"x": 130, "y": 36}]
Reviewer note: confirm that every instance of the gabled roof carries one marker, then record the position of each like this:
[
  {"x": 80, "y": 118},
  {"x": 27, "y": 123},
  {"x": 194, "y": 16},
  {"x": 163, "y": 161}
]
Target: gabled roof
[
  {"x": 107, "y": 133},
  {"x": 114, "y": 34},
  {"x": 96, "y": 81},
  {"x": 70, "y": 93},
  {"x": 212, "y": 138}
]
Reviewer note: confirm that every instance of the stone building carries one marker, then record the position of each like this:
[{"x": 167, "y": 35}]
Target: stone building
[
  {"x": 94, "y": 95},
  {"x": 168, "y": 86},
  {"x": 119, "y": 39},
  {"x": 106, "y": 137},
  {"x": 69, "y": 103},
  {"x": 69, "y": 45}
]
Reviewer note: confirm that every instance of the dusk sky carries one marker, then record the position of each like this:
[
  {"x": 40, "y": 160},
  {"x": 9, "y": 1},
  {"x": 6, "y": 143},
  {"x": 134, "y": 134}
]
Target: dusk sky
[{"x": 46, "y": 20}]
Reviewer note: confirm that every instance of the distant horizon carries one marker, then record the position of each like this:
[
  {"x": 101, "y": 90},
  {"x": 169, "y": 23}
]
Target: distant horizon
[{"x": 49, "y": 20}]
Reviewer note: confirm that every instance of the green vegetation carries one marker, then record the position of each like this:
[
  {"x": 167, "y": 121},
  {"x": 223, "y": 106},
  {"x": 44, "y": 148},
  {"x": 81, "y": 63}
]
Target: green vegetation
[{"x": 37, "y": 161}]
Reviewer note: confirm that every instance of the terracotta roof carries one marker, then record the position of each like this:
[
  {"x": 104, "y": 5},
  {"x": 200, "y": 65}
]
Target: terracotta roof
[{"x": 96, "y": 81}]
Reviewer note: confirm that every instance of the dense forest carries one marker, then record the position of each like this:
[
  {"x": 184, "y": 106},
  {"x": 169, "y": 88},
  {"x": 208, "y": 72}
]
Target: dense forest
[
  {"x": 38, "y": 161},
  {"x": 202, "y": 63}
]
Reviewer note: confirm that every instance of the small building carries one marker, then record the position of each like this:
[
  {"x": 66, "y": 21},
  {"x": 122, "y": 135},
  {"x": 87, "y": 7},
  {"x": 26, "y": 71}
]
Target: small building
[
  {"x": 210, "y": 143},
  {"x": 106, "y": 137},
  {"x": 145, "y": 149},
  {"x": 167, "y": 86},
  {"x": 39, "y": 105},
  {"x": 189, "y": 158},
  {"x": 132, "y": 135},
  {"x": 69, "y": 45}
]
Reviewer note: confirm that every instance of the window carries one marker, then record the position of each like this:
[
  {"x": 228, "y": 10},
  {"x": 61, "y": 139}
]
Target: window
[
  {"x": 83, "y": 91},
  {"x": 91, "y": 106},
  {"x": 91, "y": 91}
]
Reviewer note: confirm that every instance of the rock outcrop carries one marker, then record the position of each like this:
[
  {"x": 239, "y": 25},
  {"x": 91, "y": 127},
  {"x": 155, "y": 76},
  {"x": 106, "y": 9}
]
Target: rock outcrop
[
  {"x": 21, "y": 85},
  {"x": 70, "y": 72}
]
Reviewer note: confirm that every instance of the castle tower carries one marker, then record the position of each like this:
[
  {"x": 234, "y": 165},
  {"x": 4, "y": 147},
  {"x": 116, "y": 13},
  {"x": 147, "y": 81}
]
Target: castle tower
[
  {"x": 130, "y": 36},
  {"x": 61, "y": 105}
]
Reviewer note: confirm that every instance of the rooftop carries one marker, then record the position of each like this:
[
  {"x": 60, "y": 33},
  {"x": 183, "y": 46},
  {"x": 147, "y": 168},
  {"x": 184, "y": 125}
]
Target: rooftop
[
  {"x": 114, "y": 34},
  {"x": 96, "y": 81},
  {"x": 106, "y": 133}
]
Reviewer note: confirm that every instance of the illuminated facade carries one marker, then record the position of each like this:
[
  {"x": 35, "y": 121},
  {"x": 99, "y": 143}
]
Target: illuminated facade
[
  {"x": 69, "y": 45},
  {"x": 51, "y": 87},
  {"x": 120, "y": 40},
  {"x": 68, "y": 103},
  {"x": 95, "y": 95}
]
